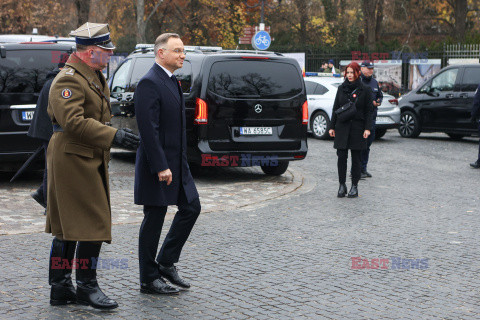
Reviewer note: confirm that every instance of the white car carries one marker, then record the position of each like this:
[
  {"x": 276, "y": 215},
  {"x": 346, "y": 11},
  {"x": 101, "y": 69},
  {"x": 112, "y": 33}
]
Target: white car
[{"x": 321, "y": 92}]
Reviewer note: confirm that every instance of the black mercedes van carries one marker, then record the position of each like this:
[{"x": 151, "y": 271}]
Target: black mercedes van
[{"x": 243, "y": 108}]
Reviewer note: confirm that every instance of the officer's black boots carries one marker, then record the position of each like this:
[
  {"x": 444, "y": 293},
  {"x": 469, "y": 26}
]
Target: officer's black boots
[
  {"x": 60, "y": 272},
  {"x": 353, "y": 193},
  {"x": 342, "y": 190},
  {"x": 88, "y": 291}
]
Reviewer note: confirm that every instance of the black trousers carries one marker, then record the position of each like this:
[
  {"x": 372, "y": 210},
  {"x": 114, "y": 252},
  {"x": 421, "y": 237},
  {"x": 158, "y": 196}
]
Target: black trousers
[
  {"x": 478, "y": 142},
  {"x": 342, "y": 165},
  {"x": 175, "y": 239},
  {"x": 366, "y": 153}
]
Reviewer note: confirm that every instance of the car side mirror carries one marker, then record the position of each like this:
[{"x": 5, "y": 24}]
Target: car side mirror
[{"x": 433, "y": 93}]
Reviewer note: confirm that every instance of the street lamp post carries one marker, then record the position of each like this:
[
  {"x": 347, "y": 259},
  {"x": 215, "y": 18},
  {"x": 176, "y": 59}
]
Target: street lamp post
[{"x": 262, "y": 4}]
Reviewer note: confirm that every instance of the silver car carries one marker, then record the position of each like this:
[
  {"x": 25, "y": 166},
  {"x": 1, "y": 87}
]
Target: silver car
[{"x": 321, "y": 92}]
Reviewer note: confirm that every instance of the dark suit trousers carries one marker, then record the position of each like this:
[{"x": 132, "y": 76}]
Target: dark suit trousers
[{"x": 151, "y": 228}]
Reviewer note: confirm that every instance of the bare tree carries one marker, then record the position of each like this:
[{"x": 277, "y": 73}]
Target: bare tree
[
  {"x": 373, "y": 17},
  {"x": 460, "y": 10},
  {"x": 302, "y": 7},
  {"x": 142, "y": 21},
  {"x": 83, "y": 10}
]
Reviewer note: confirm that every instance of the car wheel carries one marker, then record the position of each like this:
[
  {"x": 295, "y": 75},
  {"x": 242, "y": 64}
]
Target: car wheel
[
  {"x": 276, "y": 170},
  {"x": 409, "y": 125},
  {"x": 379, "y": 133},
  {"x": 320, "y": 124},
  {"x": 456, "y": 136}
]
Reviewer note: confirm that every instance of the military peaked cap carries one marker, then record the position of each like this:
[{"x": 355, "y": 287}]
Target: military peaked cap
[{"x": 93, "y": 34}]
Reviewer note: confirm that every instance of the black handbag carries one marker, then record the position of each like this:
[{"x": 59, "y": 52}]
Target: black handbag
[{"x": 348, "y": 111}]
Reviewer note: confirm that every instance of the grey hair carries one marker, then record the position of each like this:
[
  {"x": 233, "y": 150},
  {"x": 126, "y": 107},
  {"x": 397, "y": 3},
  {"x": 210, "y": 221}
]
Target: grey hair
[{"x": 163, "y": 39}]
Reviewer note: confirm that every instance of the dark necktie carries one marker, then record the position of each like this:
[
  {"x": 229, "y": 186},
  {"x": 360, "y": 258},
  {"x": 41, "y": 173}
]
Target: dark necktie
[{"x": 175, "y": 81}]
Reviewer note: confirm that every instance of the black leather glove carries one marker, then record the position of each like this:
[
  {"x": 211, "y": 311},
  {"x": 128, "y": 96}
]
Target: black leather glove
[{"x": 126, "y": 139}]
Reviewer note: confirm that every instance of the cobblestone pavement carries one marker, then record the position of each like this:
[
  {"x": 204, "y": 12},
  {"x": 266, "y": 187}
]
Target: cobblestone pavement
[{"x": 290, "y": 257}]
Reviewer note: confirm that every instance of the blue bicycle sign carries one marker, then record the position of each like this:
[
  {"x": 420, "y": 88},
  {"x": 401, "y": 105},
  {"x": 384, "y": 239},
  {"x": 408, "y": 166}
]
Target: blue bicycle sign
[{"x": 261, "y": 40}]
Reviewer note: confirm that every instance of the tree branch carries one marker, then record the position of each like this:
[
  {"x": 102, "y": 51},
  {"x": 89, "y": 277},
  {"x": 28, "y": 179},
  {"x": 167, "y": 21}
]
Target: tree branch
[{"x": 153, "y": 11}]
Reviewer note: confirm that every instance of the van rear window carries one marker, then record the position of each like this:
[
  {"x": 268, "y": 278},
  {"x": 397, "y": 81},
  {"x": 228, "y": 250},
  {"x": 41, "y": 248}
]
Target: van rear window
[
  {"x": 25, "y": 71},
  {"x": 254, "y": 79}
]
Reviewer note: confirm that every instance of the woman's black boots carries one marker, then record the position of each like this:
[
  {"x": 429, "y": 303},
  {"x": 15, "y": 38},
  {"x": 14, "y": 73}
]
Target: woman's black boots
[
  {"x": 342, "y": 190},
  {"x": 60, "y": 272},
  {"x": 88, "y": 291},
  {"x": 353, "y": 193}
]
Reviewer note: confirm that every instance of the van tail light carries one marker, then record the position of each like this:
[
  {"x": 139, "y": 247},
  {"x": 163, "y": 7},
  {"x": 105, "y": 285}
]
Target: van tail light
[
  {"x": 201, "y": 112},
  {"x": 393, "y": 101},
  {"x": 305, "y": 113}
]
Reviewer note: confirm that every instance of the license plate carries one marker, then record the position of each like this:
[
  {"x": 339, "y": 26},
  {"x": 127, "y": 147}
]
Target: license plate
[
  {"x": 264, "y": 131},
  {"x": 384, "y": 119},
  {"x": 27, "y": 115}
]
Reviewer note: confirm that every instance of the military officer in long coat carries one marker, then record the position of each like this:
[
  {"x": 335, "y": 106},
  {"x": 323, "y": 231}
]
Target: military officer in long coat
[{"x": 78, "y": 206}]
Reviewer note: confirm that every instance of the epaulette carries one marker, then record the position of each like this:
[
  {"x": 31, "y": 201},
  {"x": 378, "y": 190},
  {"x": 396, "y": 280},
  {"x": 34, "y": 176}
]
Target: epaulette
[{"x": 70, "y": 72}]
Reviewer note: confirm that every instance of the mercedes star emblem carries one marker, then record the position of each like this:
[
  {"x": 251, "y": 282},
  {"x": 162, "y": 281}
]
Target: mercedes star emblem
[{"x": 258, "y": 108}]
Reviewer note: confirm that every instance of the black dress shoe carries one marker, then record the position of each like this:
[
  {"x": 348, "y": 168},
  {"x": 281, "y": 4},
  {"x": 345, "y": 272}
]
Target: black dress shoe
[
  {"x": 171, "y": 274},
  {"x": 158, "y": 286},
  {"x": 38, "y": 196},
  {"x": 475, "y": 165},
  {"x": 366, "y": 174},
  {"x": 353, "y": 193},
  {"x": 342, "y": 190}
]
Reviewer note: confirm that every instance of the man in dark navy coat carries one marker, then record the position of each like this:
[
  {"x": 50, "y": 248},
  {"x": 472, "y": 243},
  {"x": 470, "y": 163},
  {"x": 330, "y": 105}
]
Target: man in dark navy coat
[
  {"x": 162, "y": 175},
  {"x": 475, "y": 116}
]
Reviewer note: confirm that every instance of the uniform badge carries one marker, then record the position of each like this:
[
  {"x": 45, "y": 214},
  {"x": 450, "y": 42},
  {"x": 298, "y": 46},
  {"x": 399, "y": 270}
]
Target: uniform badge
[
  {"x": 66, "y": 93},
  {"x": 70, "y": 72}
]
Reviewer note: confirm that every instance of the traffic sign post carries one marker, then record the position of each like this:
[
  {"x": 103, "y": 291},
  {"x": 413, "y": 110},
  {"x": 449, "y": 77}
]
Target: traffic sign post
[
  {"x": 261, "y": 40},
  {"x": 249, "y": 32}
]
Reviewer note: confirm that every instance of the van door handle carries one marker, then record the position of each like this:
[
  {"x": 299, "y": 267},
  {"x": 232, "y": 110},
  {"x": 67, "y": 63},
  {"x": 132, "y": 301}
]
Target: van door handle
[
  {"x": 449, "y": 95},
  {"x": 463, "y": 95}
]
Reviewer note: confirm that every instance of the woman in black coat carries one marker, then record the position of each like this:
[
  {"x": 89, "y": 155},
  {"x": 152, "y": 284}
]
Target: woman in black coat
[{"x": 351, "y": 133}]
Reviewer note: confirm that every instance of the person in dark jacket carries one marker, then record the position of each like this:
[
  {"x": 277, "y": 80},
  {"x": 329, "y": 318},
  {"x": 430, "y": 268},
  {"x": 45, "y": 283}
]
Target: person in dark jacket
[
  {"x": 41, "y": 127},
  {"x": 475, "y": 116},
  {"x": 351, "y": 133},
  {"x": 377, "y": 96}
]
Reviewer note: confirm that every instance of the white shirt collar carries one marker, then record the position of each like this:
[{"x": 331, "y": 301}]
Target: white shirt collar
[{"x": 167, "y": 71}]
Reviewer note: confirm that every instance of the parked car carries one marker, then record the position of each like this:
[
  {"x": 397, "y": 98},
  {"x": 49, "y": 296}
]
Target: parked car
[
  {"x": 441, "y": 104},
  {"x": 23, "y": 69},
  {"x": 242, "y": 107},
  {"x": 321, "y": 92}
]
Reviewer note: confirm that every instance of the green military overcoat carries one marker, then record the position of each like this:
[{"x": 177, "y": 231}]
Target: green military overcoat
[{"x": 78, "y": 205}]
